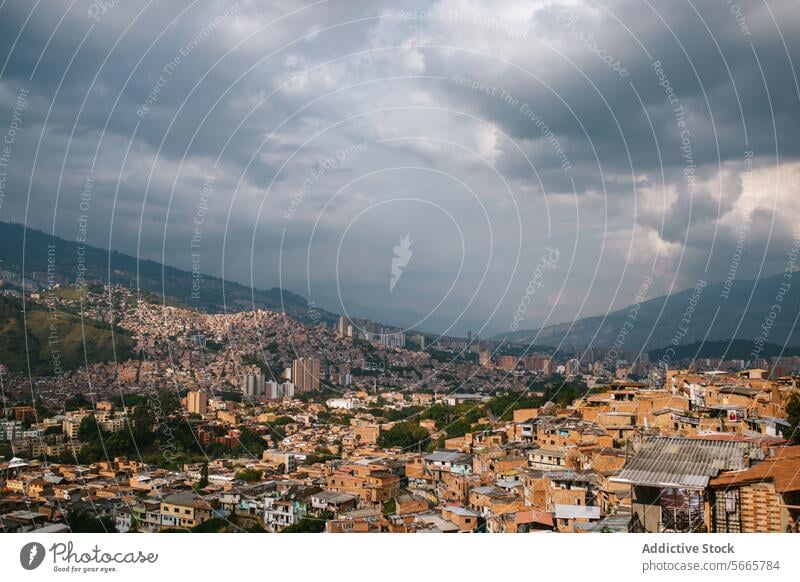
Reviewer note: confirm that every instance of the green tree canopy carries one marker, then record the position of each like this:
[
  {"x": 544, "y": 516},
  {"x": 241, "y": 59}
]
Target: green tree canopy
[
  {"x": 404, "y": 434},
  {"x": 792, "y": 432}
]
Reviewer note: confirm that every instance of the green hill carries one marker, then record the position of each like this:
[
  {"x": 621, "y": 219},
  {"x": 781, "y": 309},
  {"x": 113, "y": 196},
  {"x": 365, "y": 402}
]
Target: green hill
[
  {"x": 153, "y": 277},
  {"x": 55, "y": 340}
]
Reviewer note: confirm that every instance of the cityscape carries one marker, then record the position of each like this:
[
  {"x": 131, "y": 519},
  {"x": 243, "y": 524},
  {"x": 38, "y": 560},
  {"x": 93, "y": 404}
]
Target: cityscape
[
  {"x": 399, "y": 267},
  {"x": 253, "y": 421}
]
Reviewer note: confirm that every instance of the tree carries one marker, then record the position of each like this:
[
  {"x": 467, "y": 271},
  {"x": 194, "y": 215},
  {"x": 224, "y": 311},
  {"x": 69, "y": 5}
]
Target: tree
[
  {"x": 76, "y": 402},
  {"x": 309, "y": 524},
  {"x": 142, "y": 423},
  {"x": 792, "y": 432},
  {"x": 251, "y": 443},
  {"x": 504, "y": 406},
  {"x": 214, "y": 525},
  {"x": 203, "y": 477},
  {"x": 314, "y": 458},
  {"x": 89, "y": 430},
  {"x": 405, "y": 435},
  {"x": 120, "y": 443},
  {"x": 458, "y": 429},
  {"x": 169, "y": 403},
  {"x": 249, "y": 475},
  {"x": 439, "y": 413},
  {"x": 81, "y": 521}
]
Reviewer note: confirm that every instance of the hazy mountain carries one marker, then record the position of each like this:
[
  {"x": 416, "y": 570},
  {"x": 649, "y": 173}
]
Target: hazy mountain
[
  {"x": 694, "y": 315},
  {"x": 152, "y": 277},
  {"x": 733, "y": 350}
]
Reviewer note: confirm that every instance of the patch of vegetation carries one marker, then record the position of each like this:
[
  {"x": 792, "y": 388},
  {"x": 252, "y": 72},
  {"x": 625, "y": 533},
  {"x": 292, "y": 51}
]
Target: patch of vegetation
[
  {"x": 213, "y": 525},
  {"x": 230, "y": 396},
  {"x": 282, "y": 420},
  {"x": 792, "y": 432},
  {"x": 250, "y": 443},
  {"x": 405, "y": 435},
  {"x": 334, "y": 418},
  {"x": 309, "y": 524},
  {"x": 564, "y": 393},
  {"x": 503, "y": 407},
  {"x": 390, "y": 507},
  {"x": 82, "y": 521},
  {"x": 393, "y": 415},
  {"x": 458, "y": 429},
  {"x": 248, "y": 475},
  {"x": 54, "y": 341}
]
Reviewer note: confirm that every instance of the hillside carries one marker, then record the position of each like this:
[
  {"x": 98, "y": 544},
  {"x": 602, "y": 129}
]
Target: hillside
[
  {"x": 715, "y": 317},
  {"x": 733, "y": 350},
  {"x": 73, "y": 343},
  {"x": 152, "y": 276}
]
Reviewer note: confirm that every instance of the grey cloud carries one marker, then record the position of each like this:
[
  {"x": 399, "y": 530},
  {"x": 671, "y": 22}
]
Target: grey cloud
[{"x": 601, "y": 128}]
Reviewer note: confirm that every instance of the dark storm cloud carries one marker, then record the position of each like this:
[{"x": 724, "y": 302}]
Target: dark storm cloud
[{"x": 192, "y": 91}]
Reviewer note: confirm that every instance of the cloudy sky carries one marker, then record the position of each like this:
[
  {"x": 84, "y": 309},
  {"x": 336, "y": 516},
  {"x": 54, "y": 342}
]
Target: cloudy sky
[{"x": 551, "y": 154}]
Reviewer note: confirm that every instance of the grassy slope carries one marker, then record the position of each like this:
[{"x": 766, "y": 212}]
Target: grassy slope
[{"x": 77, "y": 343}]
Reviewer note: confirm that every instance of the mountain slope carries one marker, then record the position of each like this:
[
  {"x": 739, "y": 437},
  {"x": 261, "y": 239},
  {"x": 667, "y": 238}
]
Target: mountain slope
[
  {"x": 177, "y": 283},
  {"x": 693, "y": 315},
  {"x": 733, "y": 350},
  {"x": 56, "y": 341}
]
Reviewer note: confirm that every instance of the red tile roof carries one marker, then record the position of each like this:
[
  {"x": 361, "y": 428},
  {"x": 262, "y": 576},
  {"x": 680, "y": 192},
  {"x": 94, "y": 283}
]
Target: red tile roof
[{"x": 783, "y": 470}]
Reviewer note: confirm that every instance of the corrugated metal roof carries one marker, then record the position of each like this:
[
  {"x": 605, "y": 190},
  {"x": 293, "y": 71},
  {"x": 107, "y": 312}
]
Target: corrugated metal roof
[
  {"x": 449, "y": 457},
  {"x": 577, "y": 512},
  {"x": 681, "y": 462},
  {"x": 462, "y": 511}
]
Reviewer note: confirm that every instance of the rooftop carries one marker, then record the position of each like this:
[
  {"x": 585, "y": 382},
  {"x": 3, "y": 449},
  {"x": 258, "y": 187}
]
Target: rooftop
[
  {"x": 681, "y": 462},
  {"x": 783, "y": 470},
  {"x": 449, "y": 457},
  {"x": 462, "y": 511},
  {"x": 577, "y": 512},
  {"x": 334, "y": 496}
]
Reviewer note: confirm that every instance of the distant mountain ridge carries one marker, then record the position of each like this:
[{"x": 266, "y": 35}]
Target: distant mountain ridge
[
  {"x": 703, "y": 313},
  {"x": 152, "y": 276},
  {"x": 715, "y": 316},
  {"x": 732, "y": 349}
]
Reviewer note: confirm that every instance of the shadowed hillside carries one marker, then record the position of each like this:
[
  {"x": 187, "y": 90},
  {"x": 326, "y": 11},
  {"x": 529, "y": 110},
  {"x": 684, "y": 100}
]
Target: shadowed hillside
[
  {"x": 689, "y": 316},
  {"x": 153, "y": 277},
  {"x": 55, "y": 340}
]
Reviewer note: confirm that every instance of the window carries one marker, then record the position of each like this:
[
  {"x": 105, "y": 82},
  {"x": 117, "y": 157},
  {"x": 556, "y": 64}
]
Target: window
[{"x": 727, "y": 518}]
